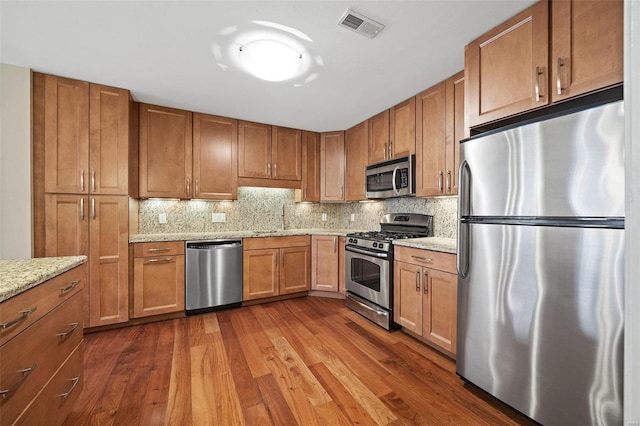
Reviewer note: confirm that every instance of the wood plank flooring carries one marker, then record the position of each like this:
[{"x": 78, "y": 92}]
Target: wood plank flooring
[{"x": 306, "y": 361}]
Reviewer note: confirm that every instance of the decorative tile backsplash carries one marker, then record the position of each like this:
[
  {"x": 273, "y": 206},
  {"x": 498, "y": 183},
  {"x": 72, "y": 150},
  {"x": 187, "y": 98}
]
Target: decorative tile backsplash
[{"x": 262, "y": 209}]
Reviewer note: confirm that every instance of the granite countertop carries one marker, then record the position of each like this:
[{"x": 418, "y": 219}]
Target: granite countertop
[
  {"x": 447, "y": 245},
  {"x": 146, "y": 238},
  {"x": 17, "y": 276}
]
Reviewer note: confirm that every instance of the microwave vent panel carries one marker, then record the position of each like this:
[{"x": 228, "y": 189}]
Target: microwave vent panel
[{"x": 360, "y": 24}]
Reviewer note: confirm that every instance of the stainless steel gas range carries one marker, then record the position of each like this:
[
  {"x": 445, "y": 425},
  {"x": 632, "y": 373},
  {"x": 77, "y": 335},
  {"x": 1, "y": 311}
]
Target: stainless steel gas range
[{"x": 369, "y": 265}]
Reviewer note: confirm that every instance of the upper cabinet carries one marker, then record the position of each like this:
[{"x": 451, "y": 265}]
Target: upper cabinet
[
  {"x": 586, "y": 46},
  {"x": 86, "y": 137},
  {"x": 516, "y": 67},
  {"x": 402, "y": 129},
  {"x": 332, "y": 166},
  {"x": 506, "y": 69},
  {"x": 439, "y": 129},
  {"x": 379, "y": 137},
  {"x": 310, "y": 191},
  {"x": 356, "y": 143},
  {"x": 165, "y": 152},
  {"x": 269, "y": 152},
  {"x": 215, "y": 155}
]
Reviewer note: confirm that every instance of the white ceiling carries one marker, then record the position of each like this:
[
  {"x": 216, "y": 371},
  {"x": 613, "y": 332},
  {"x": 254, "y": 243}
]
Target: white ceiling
[{"x": 162, "y": 52}]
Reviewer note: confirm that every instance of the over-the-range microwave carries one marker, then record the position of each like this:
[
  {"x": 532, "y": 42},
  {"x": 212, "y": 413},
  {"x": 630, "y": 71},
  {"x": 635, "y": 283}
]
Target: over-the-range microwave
[{"x": 391, "y": 178}]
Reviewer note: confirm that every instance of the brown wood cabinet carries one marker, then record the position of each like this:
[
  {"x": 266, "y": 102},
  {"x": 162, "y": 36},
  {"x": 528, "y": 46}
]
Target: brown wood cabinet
[
  {"x": 506, "y": 69},
  {"x": 332, "y": 166},
  {"x": 440, "y": 126},
  {"x": 324, "y": 263},
  {"x": 379, "y": 137},
  {"x": 425, "y": 291},
  {"x": 165, "y": 152},
  {"x": 158, "y": 278},
  {"x": 517, "y": 67},
  {"x": 39, "y": 356},
  {"x": 215, "y": 157},
  {"x": 310, "y": 191},
  {"x": 586, "y": 46},
  {"x": 98, "y": 227},
  {"x": 356, "y": 143},
  {"x": 274, "y": 266},
  {"x": 402, "y": 129},
  {"x": 269, "y": 152}
]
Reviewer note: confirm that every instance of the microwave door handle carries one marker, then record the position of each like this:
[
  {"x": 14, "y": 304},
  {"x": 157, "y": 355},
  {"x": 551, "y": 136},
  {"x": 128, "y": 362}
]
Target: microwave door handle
[{"x": 393, "y": 181}]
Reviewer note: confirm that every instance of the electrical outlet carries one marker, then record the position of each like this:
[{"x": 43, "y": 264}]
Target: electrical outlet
[
  {"x": 353, "y": 217},
  {"x": 324, "y": 217},
  {"x": 218, "y": 217},
  {"x": 162, "y": 218}
]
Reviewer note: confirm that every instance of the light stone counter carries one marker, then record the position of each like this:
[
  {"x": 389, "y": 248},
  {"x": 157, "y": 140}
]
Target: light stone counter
[
  {"x": 447, "y": 245},
  {"x": 146, "y": 238},
  {"x": 17, "y": 276}
]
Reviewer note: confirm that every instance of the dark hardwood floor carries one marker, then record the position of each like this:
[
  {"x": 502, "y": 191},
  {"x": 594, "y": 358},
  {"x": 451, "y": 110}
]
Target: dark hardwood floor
[{"x": 303, "y": 361}]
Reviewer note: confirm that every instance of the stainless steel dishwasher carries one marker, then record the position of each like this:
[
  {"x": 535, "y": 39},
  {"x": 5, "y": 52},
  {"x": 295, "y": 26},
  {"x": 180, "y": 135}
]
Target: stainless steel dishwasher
[{"x": 213, "y": 275}]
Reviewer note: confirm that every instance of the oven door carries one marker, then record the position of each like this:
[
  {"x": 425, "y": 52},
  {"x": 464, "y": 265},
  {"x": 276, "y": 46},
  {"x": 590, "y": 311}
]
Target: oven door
[{"x": 369, "y": 275}]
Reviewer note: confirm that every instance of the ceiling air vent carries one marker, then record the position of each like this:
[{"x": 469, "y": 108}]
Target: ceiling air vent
[{"x": 361, "y": 24}]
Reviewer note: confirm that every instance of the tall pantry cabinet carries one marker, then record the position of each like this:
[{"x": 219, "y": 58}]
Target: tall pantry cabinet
[{"x": 81, "y": 157}]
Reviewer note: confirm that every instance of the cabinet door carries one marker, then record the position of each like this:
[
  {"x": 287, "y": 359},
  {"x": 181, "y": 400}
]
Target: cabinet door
[
  {"x": 295, "y": 269},
  {"x": 402, "y": 128},
  {"x": 66, "y": 225},
  {"x": 286, "y": 153},
  {"x": 165, "y": 152},
  {"x": 506, "y": 68},
  {"x": 332, "y": 166},
  {"x": 108, "y": 140},
  {"x": 158, "y": 285},
  {"x": 440, "y": 308},
  {"x": 310, "y": 166},
  {"x": 324, "y": 262},
  {"x": 454, "y": 131},
  {"x": 108, "y": 260},
  {"x": 379, "y": 137},
  {"x": 430, "y": 149},
  {"x": 215, "y": 157},
  {"x": 407, "y": 304},
  {"x": 586, "y": 50},
  {"x": 66, "y": 135},
  {"x": 356, "y": 141},
  {"x": 254, "y": 146},
  {"x": 260, "y": 273}
]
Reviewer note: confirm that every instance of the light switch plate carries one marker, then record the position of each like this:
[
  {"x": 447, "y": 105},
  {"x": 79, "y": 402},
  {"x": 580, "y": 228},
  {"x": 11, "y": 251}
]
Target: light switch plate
[
  {"x": 324, "y": 216},
  {"x": 353, "y": 217},
  {"x": 162, "y": 218},
  {"x": 218, "y": 217}
]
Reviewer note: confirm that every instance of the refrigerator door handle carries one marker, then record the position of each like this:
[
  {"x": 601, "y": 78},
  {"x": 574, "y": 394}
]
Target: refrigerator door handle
[
  {"x": 462, "y": 259},
  {"x": 464, "y": 209}
]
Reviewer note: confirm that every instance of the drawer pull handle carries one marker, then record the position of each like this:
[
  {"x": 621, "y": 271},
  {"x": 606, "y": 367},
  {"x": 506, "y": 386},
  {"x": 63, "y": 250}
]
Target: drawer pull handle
[
  {"x": 25, "y": 313},
  {"x": 70, "y": 287},
  {"x": 25, "y": 373},
  {"x": 160, "y": 260},
  {"x": 423, "y": 259},
  {"x": 159, "y": 250},
  {"x": 64, "y": 335},
  {"x": 75, "y": 381}
]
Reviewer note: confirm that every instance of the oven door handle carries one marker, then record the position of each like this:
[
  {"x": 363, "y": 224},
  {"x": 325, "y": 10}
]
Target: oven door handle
[{"x": 367, "y": 253}]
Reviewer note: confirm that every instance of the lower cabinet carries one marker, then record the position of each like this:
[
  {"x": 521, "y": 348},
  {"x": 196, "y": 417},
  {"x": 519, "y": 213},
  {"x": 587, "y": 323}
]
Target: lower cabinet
[
  {"x": 158, "y": 278},
  {"x": 425, "y": 295},
  {"x": 41, "y": 361},
  {"x": 324, "y": 262},
  {"x": 274, "y": 266}
]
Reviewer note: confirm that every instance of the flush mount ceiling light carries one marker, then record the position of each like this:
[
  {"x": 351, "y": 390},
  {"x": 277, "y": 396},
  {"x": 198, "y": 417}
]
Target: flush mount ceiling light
[{"x": 270, "y": 60}]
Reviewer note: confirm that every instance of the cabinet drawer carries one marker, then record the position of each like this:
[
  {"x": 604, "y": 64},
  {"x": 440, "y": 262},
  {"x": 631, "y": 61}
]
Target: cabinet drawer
[
  {"x": 31, "y": 358},
  {"x": 44, "y": 297},
  {"x": 276, "y": 242},
  {"x": 427, "y": 258},
  {"x": 57, "y": 398},
  {"x": 161, "y": 248}
]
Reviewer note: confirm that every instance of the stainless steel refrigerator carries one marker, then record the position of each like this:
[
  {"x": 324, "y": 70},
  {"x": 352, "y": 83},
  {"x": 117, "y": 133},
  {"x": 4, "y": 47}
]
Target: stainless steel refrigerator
[{"x": 541, "y": 266}]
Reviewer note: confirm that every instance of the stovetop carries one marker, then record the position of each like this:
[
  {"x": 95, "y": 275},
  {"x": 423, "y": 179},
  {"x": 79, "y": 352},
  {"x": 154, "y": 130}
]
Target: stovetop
[
  {"x": 386, "y": 235},
  {"x": 394, "y": 226}
]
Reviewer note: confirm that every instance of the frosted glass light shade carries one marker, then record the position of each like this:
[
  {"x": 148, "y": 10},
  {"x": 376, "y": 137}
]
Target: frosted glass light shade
[{"x": 270, "y": 60}]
